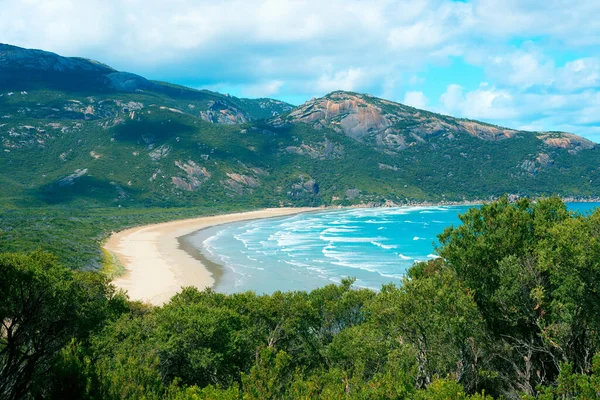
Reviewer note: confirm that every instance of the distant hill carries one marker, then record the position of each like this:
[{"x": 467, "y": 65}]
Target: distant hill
[{"x": 75, "y": 132}]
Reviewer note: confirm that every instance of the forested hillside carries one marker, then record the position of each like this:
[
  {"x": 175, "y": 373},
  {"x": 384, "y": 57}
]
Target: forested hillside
[
  {"x": 511, "y": 310},
  {"x": 77, "y": 133}
]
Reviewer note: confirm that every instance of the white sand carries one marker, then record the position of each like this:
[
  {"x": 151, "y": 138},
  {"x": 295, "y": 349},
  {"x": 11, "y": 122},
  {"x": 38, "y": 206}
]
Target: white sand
[{"x": 156, "y": 268}]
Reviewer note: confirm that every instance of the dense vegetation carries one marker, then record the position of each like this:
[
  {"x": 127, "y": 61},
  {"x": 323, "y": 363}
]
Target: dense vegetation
[
  {"x": 510, "y": 310},
  {"x": 75, "y": 235}
]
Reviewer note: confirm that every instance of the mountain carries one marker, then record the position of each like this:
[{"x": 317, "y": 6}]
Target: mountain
[
  {"x": 75, "y": 132},
  {"x": 394, "y": 127},
  {"x": 34, "y": 70}
]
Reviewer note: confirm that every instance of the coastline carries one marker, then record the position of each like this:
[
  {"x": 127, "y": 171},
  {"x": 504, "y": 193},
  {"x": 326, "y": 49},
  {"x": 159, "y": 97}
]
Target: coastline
[
  {"x": 158, "y": 261},
  {"x": 156, "y": 265}
]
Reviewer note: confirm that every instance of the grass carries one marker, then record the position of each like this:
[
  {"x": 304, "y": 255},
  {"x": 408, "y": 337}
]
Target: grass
[{"x": 111, "y": 267}]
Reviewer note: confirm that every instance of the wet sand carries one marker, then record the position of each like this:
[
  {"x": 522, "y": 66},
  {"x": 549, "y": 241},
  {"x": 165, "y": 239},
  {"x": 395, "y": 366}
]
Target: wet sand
[{"x": 158, "y": 263}]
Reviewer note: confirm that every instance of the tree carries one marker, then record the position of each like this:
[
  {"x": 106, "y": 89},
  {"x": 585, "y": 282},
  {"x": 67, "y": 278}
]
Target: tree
[
  {"x": 534, "y": 272},
  {"x": 43, "y": 307},
  {"x": 434, "y": 314}
]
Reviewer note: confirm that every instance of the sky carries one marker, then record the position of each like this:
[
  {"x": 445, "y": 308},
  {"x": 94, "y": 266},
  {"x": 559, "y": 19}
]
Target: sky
[{"x": 525, "y": 64}]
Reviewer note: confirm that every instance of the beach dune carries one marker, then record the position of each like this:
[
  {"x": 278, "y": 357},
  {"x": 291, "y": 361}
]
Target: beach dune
[{"x": 157, "y": 268}]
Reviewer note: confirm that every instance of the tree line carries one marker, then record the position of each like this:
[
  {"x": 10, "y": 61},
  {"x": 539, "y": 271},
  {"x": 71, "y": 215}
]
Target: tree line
[{"x": 510, "y": 310}]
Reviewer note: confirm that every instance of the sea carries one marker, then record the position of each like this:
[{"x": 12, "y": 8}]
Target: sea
[{"x": 375, "y": 246}]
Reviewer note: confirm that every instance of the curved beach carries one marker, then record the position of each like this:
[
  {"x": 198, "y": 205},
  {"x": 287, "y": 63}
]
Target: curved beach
[{"x": 157, "y": 268}]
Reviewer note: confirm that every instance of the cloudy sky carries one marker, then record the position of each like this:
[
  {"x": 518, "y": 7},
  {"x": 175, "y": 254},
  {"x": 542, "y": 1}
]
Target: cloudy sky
[{"x": 529, "y": 64}]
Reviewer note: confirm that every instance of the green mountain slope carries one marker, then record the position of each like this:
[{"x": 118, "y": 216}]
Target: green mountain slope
[{"x": 75, "y": 132}]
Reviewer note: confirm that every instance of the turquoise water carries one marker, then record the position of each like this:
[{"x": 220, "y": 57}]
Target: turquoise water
[{"x": 306, "y": 251}]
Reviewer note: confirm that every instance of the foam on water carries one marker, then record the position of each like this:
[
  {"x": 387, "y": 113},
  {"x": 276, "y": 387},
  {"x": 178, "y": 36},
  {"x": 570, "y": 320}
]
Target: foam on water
[
  {"x": 384, "y": 246},
  {"x": 306, "y": 251}
]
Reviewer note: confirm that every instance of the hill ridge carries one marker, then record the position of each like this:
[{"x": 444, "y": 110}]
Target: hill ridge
[{"x": 69, "y": 139}]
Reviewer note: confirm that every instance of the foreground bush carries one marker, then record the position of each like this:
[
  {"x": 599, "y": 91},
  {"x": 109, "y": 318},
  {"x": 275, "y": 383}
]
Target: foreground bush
[{"x": 511, "y": 310}]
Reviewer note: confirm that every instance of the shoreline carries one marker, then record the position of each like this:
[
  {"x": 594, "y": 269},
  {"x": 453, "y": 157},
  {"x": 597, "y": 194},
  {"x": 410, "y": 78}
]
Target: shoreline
[
  {"x": 156, "y": 267},
  {"x": 158, "y": 261}
]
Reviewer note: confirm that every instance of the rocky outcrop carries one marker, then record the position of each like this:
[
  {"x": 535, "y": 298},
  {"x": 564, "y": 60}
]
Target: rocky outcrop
[
  {"x": 304, "y": 188},
  {"x": 352, "y": 194},
  {"x": 529, "y": 166},
  {"x": 193, "y": 169},
  {"x": 324, "y": 150},
  {"x": 544, "y": 160},
  {"x": 194, "y": 178},
  {"x": 393, "y": 127},
  {"x": 350, "y": 113},
  {"x": 219, "y": 112},
  {"x": 566, "y": 141},
  {"x": 388, "y": 167},
  {"x": 240, "y": 184},
  {"x": 244, "y": 180},
  {"x": 160, "y": 152},
  {"x": 485, "y": 132},
  {"x": 70, "y": 179}
]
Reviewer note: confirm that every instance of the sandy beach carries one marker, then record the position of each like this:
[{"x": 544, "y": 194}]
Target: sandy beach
[{"x": 157, "y": 268}]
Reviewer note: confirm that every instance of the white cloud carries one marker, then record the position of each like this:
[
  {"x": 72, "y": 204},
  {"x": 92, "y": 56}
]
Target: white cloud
[
  {"x": 528, "y": 67},
  {"x": 579, "y": 74},
  {"x": 265, "y": 89},
  {"x": 419, "y": 35},
  {"x": 315, "y": 47},
  {"x": 485, "y": 102},
  {"x": 572, "y": 112},
  {"x": 523, "y": 69},
  {"x": 339, "y": 80},
  {"x": 416, "y": 99},
  {"x": 452, "y": 98}
]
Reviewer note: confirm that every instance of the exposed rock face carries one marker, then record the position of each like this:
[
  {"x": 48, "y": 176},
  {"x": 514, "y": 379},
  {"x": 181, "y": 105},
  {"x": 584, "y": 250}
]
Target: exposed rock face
[
  {"x": 541, "y": 162},
  {"x": 485, "y": 132},
  {"x": 350, "y": 113},
  {"x": 186, "y": 184},
  {"x": 311, "y": 186},
  {"x": 393, "y": 127},
  {"x": 244, "y": 180},
  {"x": 192, "y": 169},
  {"x": 304, "y": 188},
  {"x": 240, "y": 184},
  {"x": 544, "y": 160},
  {"x": 352, "y": 193},
  {"x": 70, "y": 179},
  {"x": 195, "y": 176},
  {"x": 220, "y": 112},
  {"x": 529, "y": 167},
  {"x": 160, "y": 152},
  {"x": 324, "y": 150},
  {"x": 389, "y": 167},
  {"x": 566, "y": 141},
  {"x": 275, "y": 107}
]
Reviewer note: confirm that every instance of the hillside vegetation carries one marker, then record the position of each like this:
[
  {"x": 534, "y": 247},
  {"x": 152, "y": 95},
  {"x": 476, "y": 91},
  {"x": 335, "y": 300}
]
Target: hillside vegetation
[
  {"x": 510, "y": 311},
  {"x": 76, "y": 132}
]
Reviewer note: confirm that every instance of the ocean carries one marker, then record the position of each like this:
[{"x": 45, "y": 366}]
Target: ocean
[{"x": 376, "y": 246}]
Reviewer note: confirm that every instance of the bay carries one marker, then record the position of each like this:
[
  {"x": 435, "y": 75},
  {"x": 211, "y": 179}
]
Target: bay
[{"x": 375, "y": 246}]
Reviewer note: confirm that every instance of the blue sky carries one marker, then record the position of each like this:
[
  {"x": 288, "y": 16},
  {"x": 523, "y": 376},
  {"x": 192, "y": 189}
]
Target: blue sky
[{"x": 526, "y": 64}]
